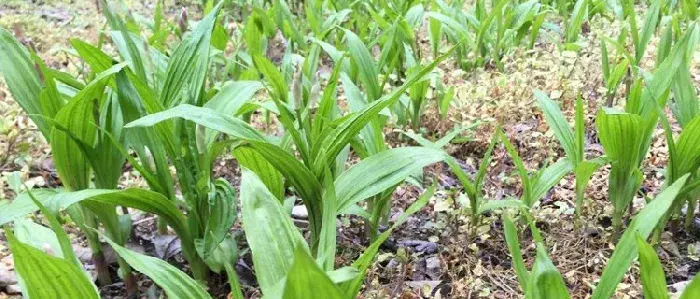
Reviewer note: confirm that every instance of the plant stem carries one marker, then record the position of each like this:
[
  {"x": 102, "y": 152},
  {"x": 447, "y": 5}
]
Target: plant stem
[
  {"x": 98, "y": 257},
  {"x": 128, "y": 277},
  {"x": 609, "y": 99},
  {"x": 690, "y": 214},
  {"x": 236, "y": 292},
  {"x": 617, "y": 223},
  {"x": 162, "y": 226},
  {"x": 578, "y": 207},
  {"x": 200, "y": 271}
]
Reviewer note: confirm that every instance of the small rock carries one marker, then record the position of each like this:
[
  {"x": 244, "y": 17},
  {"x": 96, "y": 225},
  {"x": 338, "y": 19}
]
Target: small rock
[
  {"x": 167, "y": 246},
  {"x": 422, "y": 247},
  {"x": 300, "y": 212},
  {"x": 432, "y": 267},
  {"x": 13, "y": 289}
]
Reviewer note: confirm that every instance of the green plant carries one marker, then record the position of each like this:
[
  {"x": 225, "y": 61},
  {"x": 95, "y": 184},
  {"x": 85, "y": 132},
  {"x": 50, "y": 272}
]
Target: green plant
[
  {"x": 626, "y": 249},
  {"x": 629, "y": 62},
  {"x": 621, "y": 136},
  {"x": 626, "y": 137},
  {"x": 483, "y": 36},
  {"x": 62, "y": 276},
  {"x": 573, "y": 143},
  {"x": 613, "y": 78},
  {"x": 319, "y": 142},
  {"x": 683, "y": 159},
  {"x": 148, "y": 87},
  {"x": 474, "y": 188},
  {"x": 285, "y": 268},
  {"x": 72, "y": 124},
  {"x": 654, "y": 278},
  {"x": 544, "y": 281},
  {"x": 534, "y": 186}
]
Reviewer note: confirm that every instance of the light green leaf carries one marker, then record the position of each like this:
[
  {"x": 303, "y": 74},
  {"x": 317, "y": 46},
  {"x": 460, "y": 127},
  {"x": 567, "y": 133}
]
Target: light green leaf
[
  {"x": 270, "y": 232},
  {"x": 306, "y": 280},
  {"x": 18, "y": 70},
  {"x": 651, "y": 271},
  {"x": 174, "y": 282},
  {"x": 379, "y": 172},
  {"x": 626, "y": 249},
  {"x": 189, "y": 65},
  {"x": 511, "y": 235},
  {"x": 558, "y": 123},
  {"x": 693, "y": 289},
  {"x": 48, "y": 276},
  {"x": 546, "y": 281}
]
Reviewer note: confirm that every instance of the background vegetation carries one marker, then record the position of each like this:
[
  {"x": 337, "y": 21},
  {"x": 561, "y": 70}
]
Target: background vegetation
[{"x": 349, "y": 149}]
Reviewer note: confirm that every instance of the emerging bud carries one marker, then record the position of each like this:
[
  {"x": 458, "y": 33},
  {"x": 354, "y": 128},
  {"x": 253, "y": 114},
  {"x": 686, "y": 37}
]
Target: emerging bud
[
  {"x": 182, "y": 23},
  {"x": 315, "y": 91},
  {"x": 296, "y": 89}
]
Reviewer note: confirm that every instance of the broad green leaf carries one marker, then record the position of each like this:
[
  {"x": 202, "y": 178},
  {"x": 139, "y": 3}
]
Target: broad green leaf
[
  {"x": 686, "y": 156},
  {"x": 189, "y": 65},
  {"x": 77, "y": 116},
  {"x": 664, "y": 45},
  {"x": 692, "y": 290},
  {"x": 348, "y": 129},
  {"x": 232, "y": 96},
  {"x": 306, "y": 280},
  {"x": 445, "y": 100},
  {"x": 135, "y": 51},
  {"x": 365, "y": 64},
  {"x": 222, "y": 214},
  {"x": 450, "y": 23},
  {"x": 626, "y": 249},
  {"x": 270, "y": 232},
  {"x": 296, "y": 174},
  {"x": 558, "y": 123},
  {"x": 60, "y": 235},
  {"x": 619, "y": 134},
  {"x": 203, "y": 116},
  {"x": 435, "y": 35},
  {"x": 655, "y": 92},
  {"x": 48, "y": 276},
  {"x": 379, "y": 172},
  {"x": 651, "y": 271},
  {"x": 174, "y": 282},
  {"x": 329, "y": 230},
  {"x": 511, "y": 235},
  {"x": 145, "y": 200},
  {"x": 685, "y": 101},
  {"x": 585, "y": 170},
  {"x": 50, "y": 98},
  {"x": 548, "y": 178},
  {"x": 286, "y": 117},
  {"x": 267, "y": 173},
  {"x": 18, "y": 70},
  {"x": 223, "y": 256},
  {"x": 124, "y": 39},
  {"x": 371, "y": 134},
  {"x": 651, "y": 19},
  {"x": 545, "y": 280},
  {"x": 621, "y": 137},
  {"x": 578, "y": 16}
]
